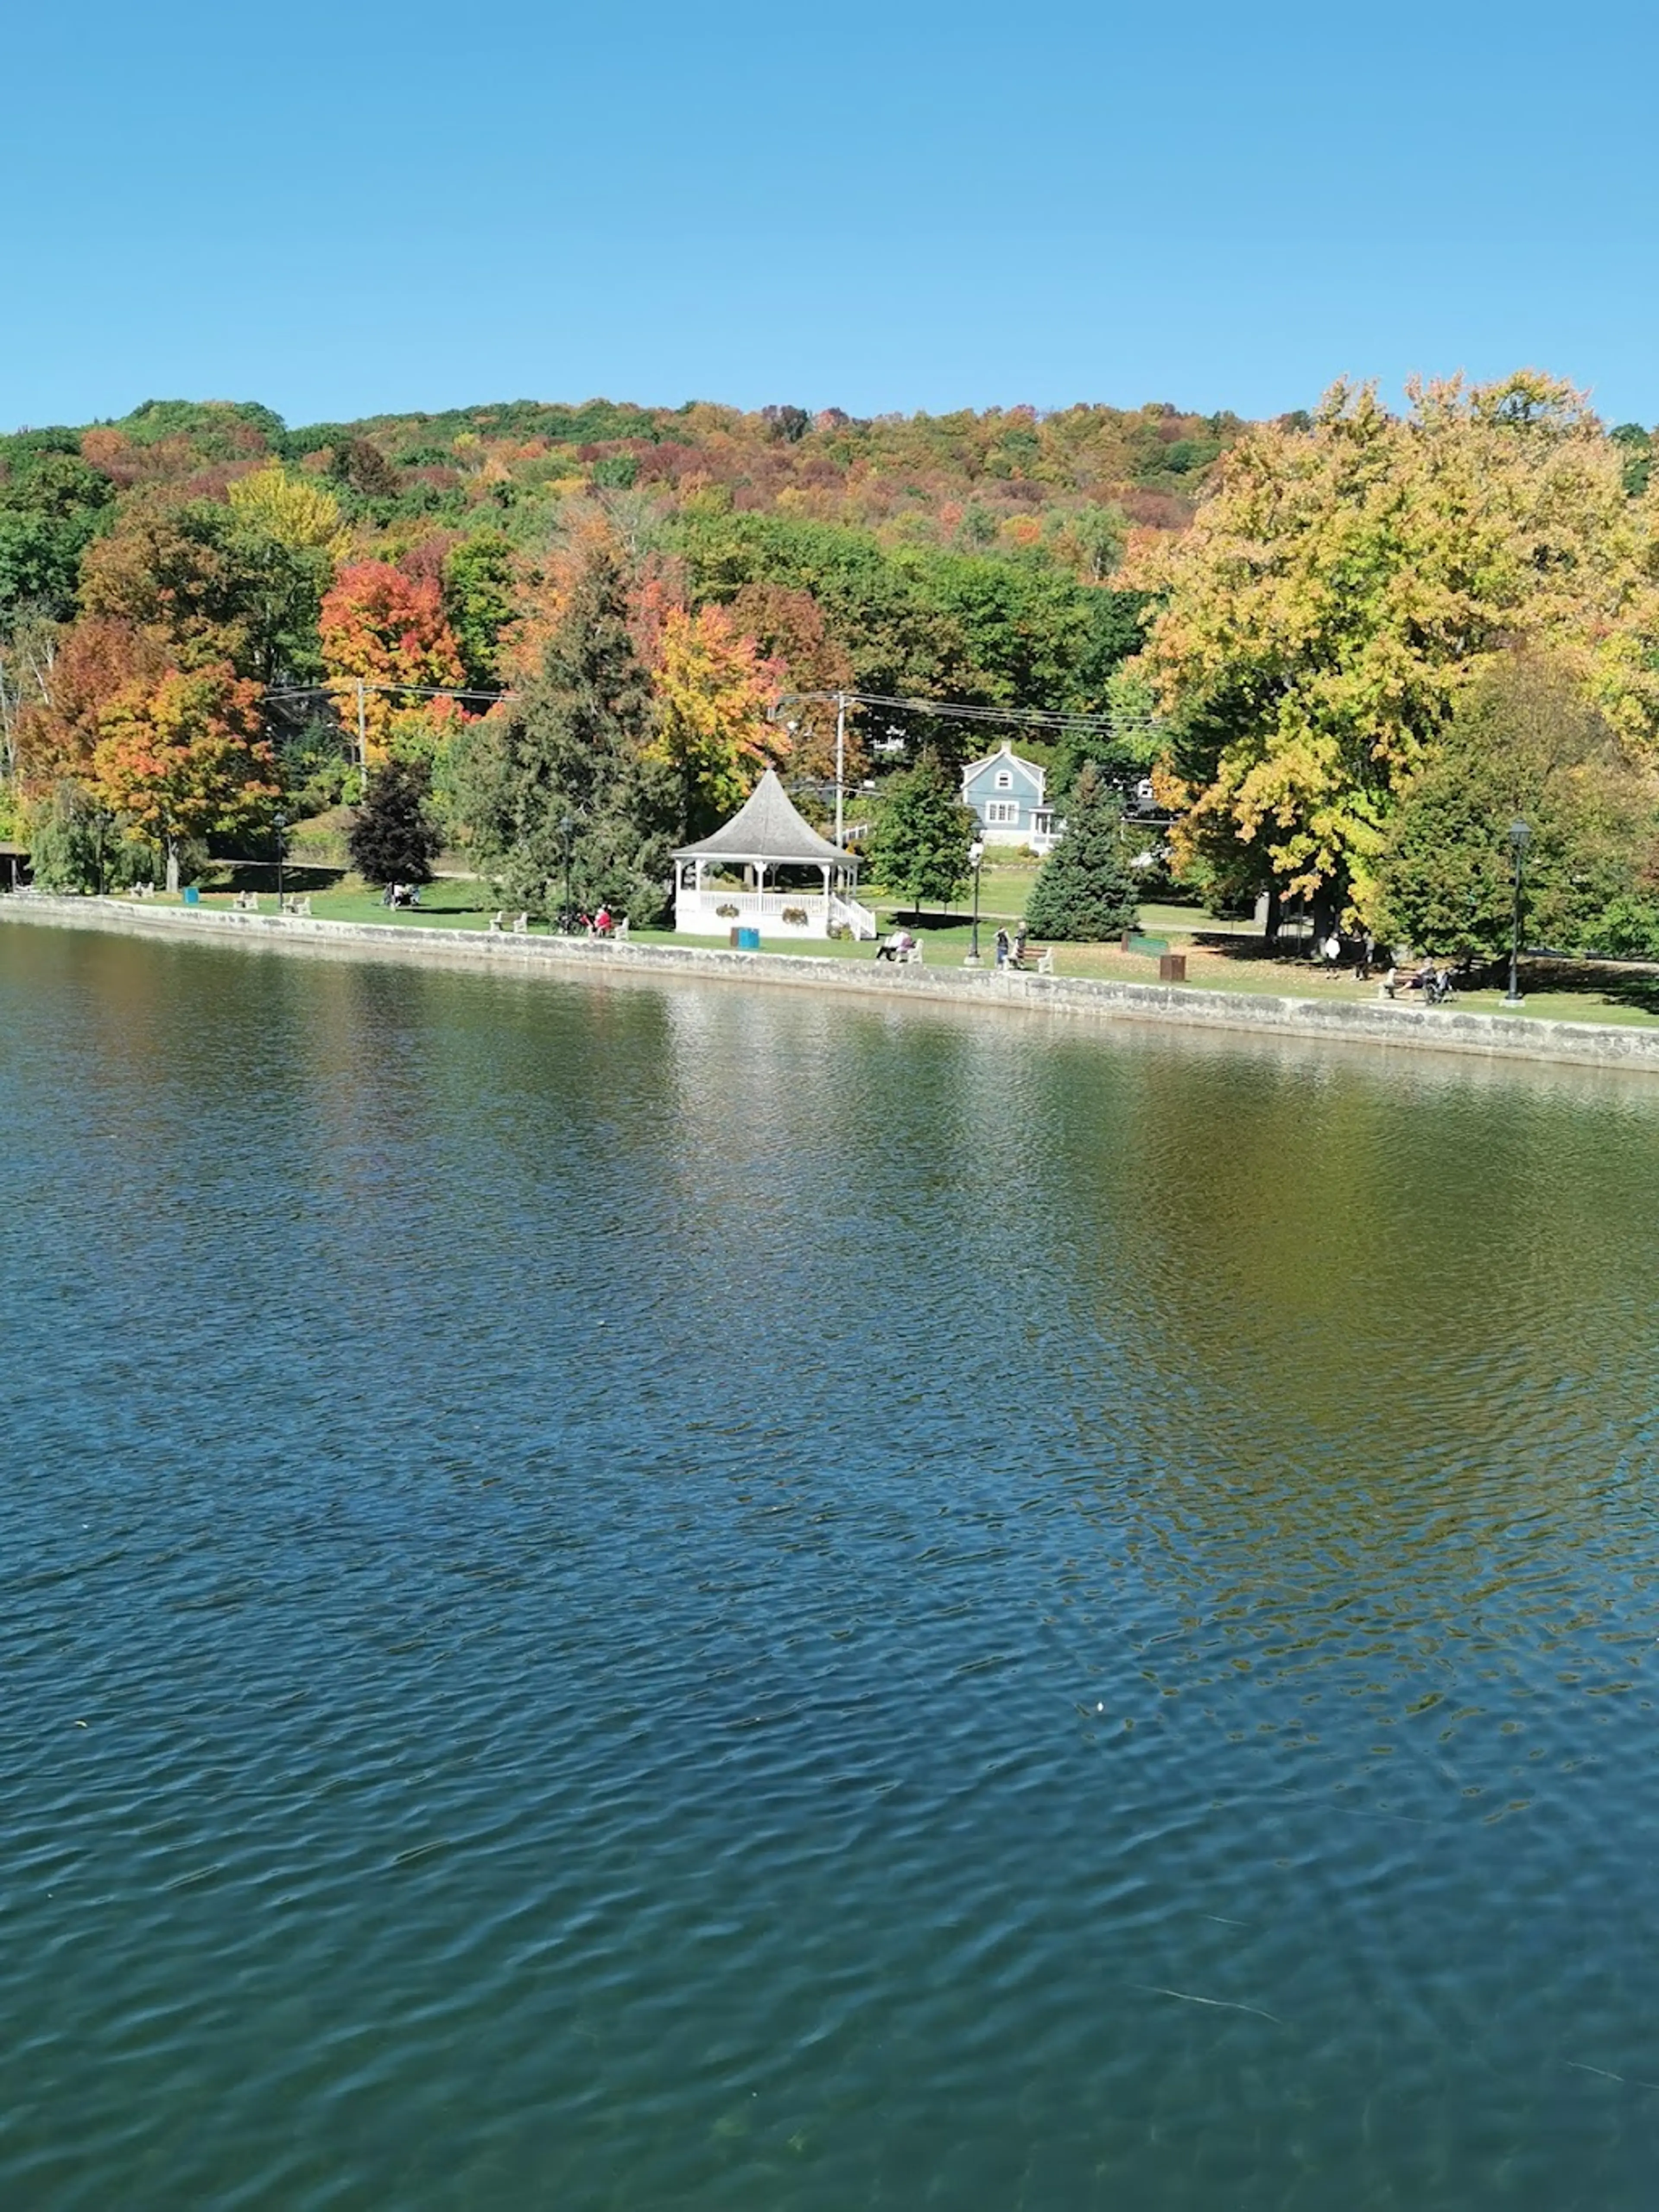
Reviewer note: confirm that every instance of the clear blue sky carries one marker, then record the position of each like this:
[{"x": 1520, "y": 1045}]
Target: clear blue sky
[{"x": 355, "y": 208}]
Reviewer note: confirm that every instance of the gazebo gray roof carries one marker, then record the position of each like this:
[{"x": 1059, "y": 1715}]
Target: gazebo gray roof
[{"x": 767, "y": 827}]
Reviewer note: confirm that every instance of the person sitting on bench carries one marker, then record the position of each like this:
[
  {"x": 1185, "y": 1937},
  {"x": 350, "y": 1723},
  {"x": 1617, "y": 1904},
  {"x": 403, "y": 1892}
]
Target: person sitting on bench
[{"x": 1419, "y": 980}]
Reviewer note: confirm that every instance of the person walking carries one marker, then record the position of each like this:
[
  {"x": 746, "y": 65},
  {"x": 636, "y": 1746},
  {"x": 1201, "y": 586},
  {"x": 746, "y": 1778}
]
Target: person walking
[{"x": 1002, "y": 946}]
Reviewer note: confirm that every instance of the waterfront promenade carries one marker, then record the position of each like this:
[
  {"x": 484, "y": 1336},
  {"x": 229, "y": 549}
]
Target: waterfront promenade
[{"x": 1376, "y": 1021}]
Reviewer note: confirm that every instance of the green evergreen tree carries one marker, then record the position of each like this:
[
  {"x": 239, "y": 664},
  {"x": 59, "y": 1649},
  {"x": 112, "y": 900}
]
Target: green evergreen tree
[
  {"x": 1085, "y": 890},
  {"x": 394, "y": 838},
  {"x": 571, "y": 748},
  {"x": 919, "y": 847}
]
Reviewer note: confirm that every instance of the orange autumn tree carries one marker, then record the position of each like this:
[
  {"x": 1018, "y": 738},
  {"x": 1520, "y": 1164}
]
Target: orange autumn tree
[
  {"x": 183, "y": 757},
  {"x": 711, "y": 691},
  {"x": 383, "y": 628},
  {"x": 790, "y": 629},
  {"x": 96, "y": 660}
]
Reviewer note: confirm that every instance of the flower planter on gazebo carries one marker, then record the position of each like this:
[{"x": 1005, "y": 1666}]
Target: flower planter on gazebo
[{"x": 792, "y": 882}]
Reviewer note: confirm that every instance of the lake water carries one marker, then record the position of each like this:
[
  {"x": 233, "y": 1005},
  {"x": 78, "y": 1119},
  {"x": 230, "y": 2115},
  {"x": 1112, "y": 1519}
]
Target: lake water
[{"x": 634, "y": 1596}]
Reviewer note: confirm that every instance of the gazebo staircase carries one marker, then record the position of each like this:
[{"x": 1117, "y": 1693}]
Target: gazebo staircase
[{"x": 848, "y": 914}]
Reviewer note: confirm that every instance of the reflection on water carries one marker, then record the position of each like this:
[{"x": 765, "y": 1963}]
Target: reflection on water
[{"x": 645, "y": 1596}]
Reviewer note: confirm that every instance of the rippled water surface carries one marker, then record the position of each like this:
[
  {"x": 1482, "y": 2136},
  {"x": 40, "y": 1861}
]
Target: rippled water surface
[{"x": 639, "y": 1597}]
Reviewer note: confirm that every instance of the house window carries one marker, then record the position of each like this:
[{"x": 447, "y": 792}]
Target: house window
[
  {"x": 1004, "y": 781},
  {"x": 1042, "y": 822},
  {"x": 1001, "y": 814}
]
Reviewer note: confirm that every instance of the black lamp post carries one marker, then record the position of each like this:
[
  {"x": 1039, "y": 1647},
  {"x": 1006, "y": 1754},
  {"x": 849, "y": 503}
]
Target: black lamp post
[
  {"x": 1519, "y": 834},
  {"x": 975, "y": 860},
  {"x": 279, "y": 824},
  {"x": 566, "y": 919}
]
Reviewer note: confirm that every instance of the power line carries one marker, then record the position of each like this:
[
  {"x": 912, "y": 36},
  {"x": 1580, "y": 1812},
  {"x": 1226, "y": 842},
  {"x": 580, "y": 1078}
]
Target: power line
[
  {"x": 1027, "y": 718},
  {"x": 349, "y": 685},
  {"x": 1023, "y": 717},
  {"x": 1047, "y": 718}
]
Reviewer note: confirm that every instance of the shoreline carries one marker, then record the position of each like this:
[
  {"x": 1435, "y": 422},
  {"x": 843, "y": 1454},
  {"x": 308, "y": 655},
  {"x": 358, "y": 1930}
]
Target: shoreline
[{"x": 1379, "y": 1023}]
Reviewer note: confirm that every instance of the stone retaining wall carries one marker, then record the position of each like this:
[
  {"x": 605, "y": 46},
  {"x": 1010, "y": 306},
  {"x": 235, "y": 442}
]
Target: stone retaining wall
[{"x": 1376, "y": 1021}]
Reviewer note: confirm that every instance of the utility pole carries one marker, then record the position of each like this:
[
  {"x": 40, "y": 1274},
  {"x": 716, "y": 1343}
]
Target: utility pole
[{"x": 840, "y": 764}]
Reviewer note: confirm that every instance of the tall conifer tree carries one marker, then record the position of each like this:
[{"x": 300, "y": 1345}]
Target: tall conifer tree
[
  {"x": 1085, "y": 890},
  {"x": 572, "y": 747}
]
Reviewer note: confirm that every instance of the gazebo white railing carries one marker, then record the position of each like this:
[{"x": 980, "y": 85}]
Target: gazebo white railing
[{"x": 765, "y": 839}]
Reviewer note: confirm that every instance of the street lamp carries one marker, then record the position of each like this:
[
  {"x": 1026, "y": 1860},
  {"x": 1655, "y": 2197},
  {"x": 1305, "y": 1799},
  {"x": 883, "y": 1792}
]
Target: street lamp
[
  {"x": 279, "y": 824},
  {"x": 568, "y": 827},
  {"x": 976, "y": 858},
  {"x": 1519, "y": 834}
]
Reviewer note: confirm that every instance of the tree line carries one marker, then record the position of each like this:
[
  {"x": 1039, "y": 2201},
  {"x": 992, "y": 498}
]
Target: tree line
[
  {"x": 1362, "y": 646},
  {"x": 207, "y": 621}
]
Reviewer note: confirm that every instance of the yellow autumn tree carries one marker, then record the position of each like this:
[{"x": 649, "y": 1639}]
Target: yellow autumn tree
[
  {"x": 712, "y": 690},
  {"x": 1344, "y": 584},
  {"x": 297, "y": 512}
]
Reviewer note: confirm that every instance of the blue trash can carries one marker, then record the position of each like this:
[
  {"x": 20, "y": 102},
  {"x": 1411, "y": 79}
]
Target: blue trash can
[
  {"x": 192, "y": 897},
  {"x": 748, "y": 940}
]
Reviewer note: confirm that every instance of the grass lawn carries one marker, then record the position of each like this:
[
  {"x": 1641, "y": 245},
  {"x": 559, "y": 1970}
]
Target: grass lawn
[
  {"x": 452, "y": 902},
  {"x": 1220, "y": 956}
]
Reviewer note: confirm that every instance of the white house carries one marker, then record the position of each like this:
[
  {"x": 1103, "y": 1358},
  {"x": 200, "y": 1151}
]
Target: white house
[{"x": 1007, "y": 793}]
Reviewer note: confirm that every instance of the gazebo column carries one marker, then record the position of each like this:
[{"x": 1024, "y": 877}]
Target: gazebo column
[{"x": 766, "y": 839}]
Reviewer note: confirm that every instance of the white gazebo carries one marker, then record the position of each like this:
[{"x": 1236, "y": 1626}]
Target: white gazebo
[{"x": 765, "y": 843}]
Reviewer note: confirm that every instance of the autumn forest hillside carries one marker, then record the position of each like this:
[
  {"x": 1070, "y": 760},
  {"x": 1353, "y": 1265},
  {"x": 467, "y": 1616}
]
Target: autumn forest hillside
[
  {"x": 204, "y": 570},
  {"x": 1354, "y": 646},
  {"x": 922, "y": 475}
]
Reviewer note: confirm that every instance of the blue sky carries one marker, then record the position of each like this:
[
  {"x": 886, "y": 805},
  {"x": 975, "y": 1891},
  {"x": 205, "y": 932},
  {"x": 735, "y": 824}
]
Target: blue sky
[{"x": 346, "y": 210}]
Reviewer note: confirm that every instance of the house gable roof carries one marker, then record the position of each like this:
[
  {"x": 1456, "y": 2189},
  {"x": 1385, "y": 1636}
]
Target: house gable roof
[
  {"x": 767, "y": 827},
  {"x": 1005, "y": 757}
]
